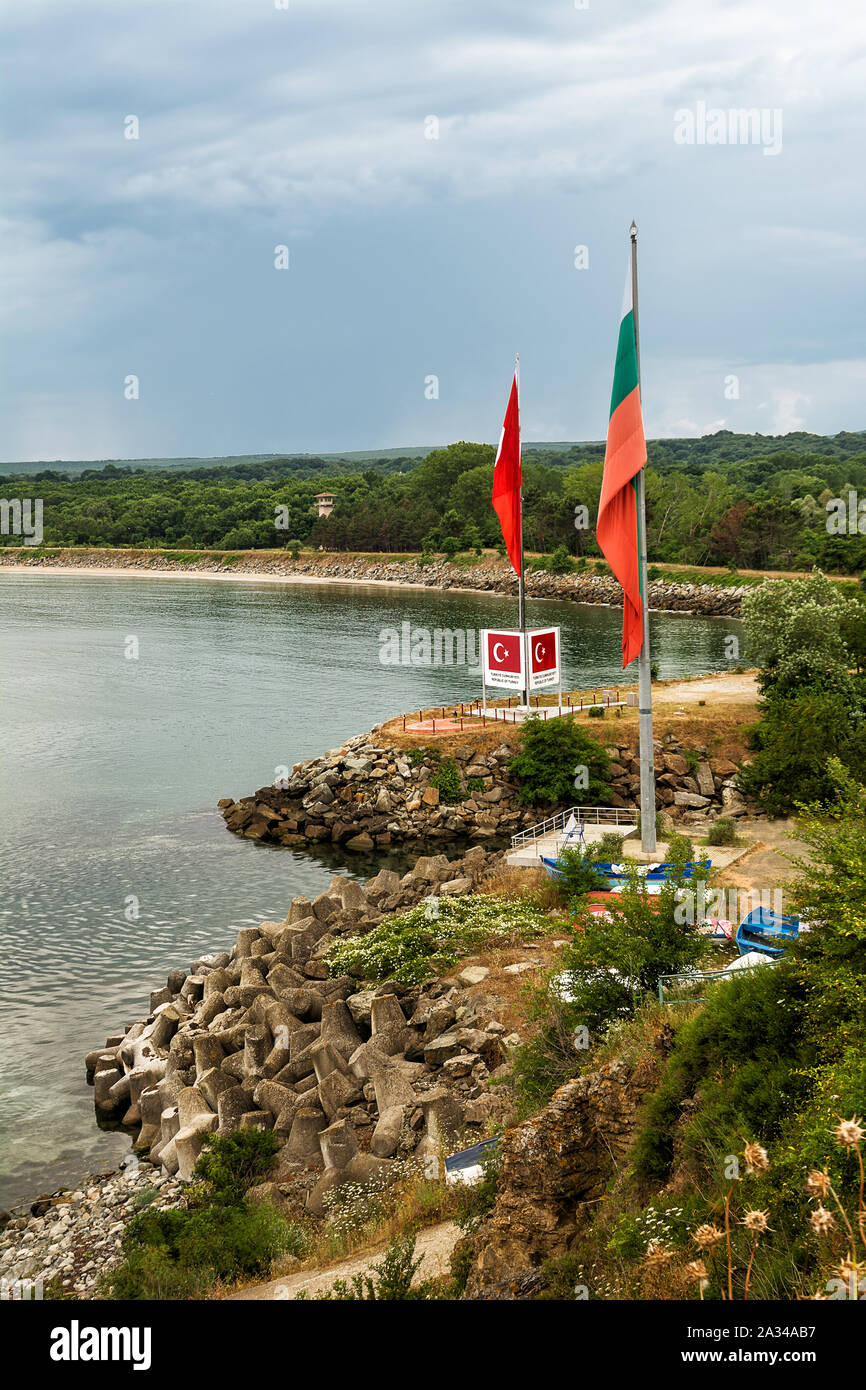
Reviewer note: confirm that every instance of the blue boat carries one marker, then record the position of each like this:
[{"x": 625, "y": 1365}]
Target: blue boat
[
  {"x": 766, "y": 931},
  {"x": 652, "y": 873},
  {"x": 469, "y": 1158}
]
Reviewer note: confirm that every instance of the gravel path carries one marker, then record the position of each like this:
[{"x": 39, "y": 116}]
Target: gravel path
[{"x": 434, "y": 1244}]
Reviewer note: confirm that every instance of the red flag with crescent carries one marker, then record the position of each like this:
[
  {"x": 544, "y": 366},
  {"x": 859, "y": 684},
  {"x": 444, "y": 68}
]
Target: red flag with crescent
[{"x": 507, "y": 479}]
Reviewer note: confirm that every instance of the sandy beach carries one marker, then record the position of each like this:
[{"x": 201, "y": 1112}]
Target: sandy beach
[{"x": 237, "y": 576}]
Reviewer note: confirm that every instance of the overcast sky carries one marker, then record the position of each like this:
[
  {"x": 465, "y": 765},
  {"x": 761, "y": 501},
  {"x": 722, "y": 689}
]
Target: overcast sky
[{"x": 413, "y": 257}]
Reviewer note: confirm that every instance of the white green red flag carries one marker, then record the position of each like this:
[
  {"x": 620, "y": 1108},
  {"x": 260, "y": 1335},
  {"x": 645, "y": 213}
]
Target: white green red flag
[{"x": 617, "y": 528}]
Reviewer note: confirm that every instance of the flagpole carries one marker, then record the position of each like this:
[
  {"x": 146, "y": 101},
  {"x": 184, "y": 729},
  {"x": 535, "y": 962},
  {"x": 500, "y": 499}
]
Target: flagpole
[
  {"x": 521, "y": 588},
  {"x": 645, "y": 699}
]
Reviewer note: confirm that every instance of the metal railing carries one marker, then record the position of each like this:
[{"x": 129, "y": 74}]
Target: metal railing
[
  {"x": 687, "y": 981},
  {"x": 590, "y": 815}
]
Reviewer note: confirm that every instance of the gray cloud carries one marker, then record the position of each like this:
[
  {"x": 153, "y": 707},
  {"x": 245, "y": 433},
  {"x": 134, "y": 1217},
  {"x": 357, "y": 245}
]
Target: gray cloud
[{"x": 413, "y": 256}]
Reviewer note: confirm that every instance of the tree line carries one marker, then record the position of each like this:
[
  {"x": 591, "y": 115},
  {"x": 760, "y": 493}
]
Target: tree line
[{"x": 738, "y": 500}]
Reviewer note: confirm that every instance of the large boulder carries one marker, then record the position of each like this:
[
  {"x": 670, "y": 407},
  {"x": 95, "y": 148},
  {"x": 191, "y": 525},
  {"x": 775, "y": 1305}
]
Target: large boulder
[{"x": 554, "y": 1167}]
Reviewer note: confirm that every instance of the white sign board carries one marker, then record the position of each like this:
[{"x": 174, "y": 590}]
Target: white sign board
[
  {"x": 544, "y": 672},
  {"x": 503, "y": 659}
]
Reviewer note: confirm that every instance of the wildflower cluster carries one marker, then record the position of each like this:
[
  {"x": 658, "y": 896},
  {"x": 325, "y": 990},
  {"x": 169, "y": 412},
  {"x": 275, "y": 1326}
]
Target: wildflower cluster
[
  {"x": 825, "y": 1222},
  {"x": 661, "y": 1227},
  {"x": 411, "y": 945},
  {"x": 353, "y": 1208}
]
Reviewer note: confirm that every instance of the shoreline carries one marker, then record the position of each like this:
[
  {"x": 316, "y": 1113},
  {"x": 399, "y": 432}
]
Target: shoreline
[
  {"x": 492, "y": 577},
  {"x": 244, "y": 576},
  {"x": 99, "y": 1200}
]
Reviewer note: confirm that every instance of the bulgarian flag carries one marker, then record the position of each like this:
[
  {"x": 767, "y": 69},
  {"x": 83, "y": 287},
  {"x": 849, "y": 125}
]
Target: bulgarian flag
[
  {"x": 507, "y": 479},
  {"x": 617, "y": 526}
]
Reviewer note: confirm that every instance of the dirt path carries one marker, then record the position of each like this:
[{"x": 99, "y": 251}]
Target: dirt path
[
  {"x": 434, "y": 1244},
  {"x": 729, "y": 687},
  {"x": 765, "y": 865}
]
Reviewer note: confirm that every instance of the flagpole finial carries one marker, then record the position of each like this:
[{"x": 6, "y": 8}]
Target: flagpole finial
[{"x": 632, "y": 231}]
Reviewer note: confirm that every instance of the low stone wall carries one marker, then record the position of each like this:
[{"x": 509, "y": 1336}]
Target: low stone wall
[
  {"x": 488, "y": 576},
  {"x": 691, "y": 786}
]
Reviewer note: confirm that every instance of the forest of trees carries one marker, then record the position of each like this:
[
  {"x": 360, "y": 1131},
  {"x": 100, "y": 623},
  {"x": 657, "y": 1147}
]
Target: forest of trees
[{"x": 753, "y": 501}]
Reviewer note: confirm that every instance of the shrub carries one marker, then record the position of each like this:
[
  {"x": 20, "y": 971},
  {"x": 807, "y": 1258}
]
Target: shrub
[
  {"x": 793, "y": 741},
  {"x": 230, "y": 1163},
  {"x": 561, "y": 1278},
  {"x": 551, "y": 751},
  {"x": 681, "y": 849},
  {"x": 446, "y": 780},
  {"x": 608, "y": 848},
  {"x": 294, "y": 549},
  {"x": 796, "y": 626},
  {"x": 181, "y": 1254},
  {"x": 830, "y": 959},
  {"x": 578, "y": 876},
  {"x": 743, "y": 1051},
  {"x": 462, "y": 1260},
  {"x": 393, "y": 1281},
  {"x": 596, "y": 711},
  {"x": 549, "y": 1057},
  {"x": 561, "y": 561},
  {"x": 612, "y": 964},
  {"x": 433, "y": 936},
  {"x": 722, "y": 832}
]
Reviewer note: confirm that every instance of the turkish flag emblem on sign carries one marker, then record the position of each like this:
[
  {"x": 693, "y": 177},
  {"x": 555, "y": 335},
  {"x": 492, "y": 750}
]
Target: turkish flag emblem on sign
[
  {"x": 503, "y": 660},
  {"x": 543, "y": 658}
]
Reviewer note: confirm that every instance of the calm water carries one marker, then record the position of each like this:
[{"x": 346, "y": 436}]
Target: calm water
[{"x": 112, "y": 768}]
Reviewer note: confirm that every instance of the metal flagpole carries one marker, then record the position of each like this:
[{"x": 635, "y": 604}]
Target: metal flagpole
[
  {"x": 483, "y": 657},
  {"x": 521, "y": 588},
  {"x": 645, "y": 699}
]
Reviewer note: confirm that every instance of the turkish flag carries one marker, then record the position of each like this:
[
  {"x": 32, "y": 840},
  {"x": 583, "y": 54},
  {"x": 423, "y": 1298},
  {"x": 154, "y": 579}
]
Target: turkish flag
[
  {"x": 543, "y": 651},
  {"x": 507, "y": 479},
  {"x": 503, "y": 652}
]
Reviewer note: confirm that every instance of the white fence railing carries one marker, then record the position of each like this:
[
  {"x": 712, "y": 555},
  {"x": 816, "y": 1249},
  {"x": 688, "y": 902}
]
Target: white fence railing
[{"x": 590, "y": 815}]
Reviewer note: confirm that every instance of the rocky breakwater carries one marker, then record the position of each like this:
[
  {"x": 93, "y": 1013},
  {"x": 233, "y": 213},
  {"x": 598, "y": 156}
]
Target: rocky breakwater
[
  {"x": 365, "y": 796},
  {"x": 496, "y": 576},
  {"x": 488, "y": 575},
  {"x": 350, "y": 1080}
]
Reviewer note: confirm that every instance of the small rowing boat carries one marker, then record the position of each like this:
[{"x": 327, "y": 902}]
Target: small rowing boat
[{"x": 618, "y": 873}]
